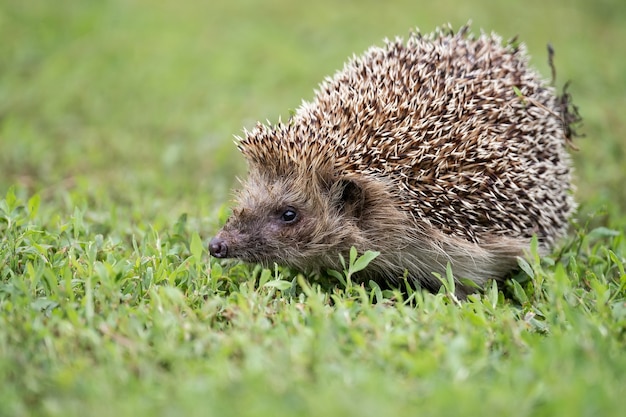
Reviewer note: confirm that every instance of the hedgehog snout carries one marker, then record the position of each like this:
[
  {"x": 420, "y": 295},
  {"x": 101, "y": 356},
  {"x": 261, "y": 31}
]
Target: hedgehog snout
[{"x": 218, "y": 247}]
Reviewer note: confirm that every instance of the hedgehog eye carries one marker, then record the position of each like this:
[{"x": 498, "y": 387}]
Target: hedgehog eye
[{"x": 289, "y": 215}]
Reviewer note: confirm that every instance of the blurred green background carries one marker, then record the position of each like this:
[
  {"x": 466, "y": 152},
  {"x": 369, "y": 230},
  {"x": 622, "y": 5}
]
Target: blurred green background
[{"x": 136, "y": 102}]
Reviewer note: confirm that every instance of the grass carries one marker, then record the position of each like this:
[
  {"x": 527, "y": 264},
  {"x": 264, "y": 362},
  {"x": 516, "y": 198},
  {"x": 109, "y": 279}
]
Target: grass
[{"x": 115, "y": 169}]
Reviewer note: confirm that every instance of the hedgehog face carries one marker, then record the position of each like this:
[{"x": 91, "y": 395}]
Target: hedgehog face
[{"x": 283, "y": 220}]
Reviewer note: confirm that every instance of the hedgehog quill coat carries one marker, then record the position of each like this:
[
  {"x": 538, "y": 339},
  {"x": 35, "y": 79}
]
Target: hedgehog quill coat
[{"x": 442, "y": 149}]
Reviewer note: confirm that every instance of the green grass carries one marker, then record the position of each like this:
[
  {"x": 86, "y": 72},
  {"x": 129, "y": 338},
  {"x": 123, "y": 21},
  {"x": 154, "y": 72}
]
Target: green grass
[{"x": 116, "y": 164}]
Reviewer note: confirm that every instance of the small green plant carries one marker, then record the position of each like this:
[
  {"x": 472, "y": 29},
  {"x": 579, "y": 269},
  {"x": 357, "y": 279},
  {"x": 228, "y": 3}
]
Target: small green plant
[{"x": 355, "y": 264}]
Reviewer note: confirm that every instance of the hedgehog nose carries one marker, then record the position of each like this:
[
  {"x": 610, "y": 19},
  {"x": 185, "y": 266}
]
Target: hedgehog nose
[{"x": 218, "y": 247}]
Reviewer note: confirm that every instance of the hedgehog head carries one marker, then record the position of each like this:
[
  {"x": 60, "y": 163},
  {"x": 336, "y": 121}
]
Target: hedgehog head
[{"x": 295, "y": 208}]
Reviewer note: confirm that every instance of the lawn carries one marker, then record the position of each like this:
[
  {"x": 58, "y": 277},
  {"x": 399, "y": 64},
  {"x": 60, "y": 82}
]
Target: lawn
[{"x": 117, "y": 165}]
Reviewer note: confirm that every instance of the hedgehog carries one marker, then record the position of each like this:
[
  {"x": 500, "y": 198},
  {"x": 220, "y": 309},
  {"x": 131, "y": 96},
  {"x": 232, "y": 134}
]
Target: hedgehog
[{"x": 442, "y": 151}]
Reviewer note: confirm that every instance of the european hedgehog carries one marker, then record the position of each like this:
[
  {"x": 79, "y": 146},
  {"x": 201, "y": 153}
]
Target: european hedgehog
[{"x": 444, "y": 149}]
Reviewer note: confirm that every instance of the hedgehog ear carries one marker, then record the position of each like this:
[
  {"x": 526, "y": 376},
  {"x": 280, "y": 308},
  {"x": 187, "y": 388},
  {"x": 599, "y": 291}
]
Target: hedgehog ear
[{"x": 352, "y": 198}]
